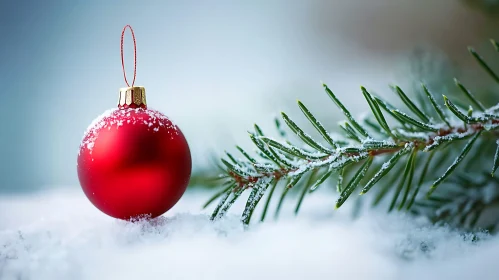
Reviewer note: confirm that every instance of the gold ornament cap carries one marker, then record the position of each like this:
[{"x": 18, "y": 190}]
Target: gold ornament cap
[{"x": 132, "y": 97}]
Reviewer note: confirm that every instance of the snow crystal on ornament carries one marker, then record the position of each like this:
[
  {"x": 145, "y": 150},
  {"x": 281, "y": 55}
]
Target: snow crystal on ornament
[{"x": 152, "y": 119}]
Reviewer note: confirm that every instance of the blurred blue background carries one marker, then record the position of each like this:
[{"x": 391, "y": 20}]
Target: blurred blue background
[{"x": 214, "y": 67}]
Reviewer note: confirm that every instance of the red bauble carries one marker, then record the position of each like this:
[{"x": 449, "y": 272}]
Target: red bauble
[{"x": 134, "y": 162}]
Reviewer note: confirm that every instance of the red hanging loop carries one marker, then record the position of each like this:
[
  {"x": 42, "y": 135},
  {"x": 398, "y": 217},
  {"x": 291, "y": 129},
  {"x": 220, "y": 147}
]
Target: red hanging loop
[{"x": 134, "y": 55}]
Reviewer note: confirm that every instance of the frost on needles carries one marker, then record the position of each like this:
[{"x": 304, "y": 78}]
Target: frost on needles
[{"x": 410, "y": 148}]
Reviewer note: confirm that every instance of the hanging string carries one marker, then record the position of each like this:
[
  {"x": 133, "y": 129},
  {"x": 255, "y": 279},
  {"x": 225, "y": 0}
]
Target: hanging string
[{"x": 134, "y": 55}]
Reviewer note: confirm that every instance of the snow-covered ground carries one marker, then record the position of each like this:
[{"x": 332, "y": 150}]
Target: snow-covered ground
[{"x": 60, "y": 235}]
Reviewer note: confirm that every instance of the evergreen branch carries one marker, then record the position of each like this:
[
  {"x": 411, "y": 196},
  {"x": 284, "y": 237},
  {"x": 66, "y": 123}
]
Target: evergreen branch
[
  {"x": 283, "y": 161},
  {"x": 389, "y": 109},
  {"x": 445, "y": 139},
  {"x": 305, "y": 137},
  {"x": 346, "y": 155},
  {"x": 385, "y": 189},
  {"x": 321, "y": 180},
  {"x": 280, "y": 157},
  {"x": 408, "y": 170},
  {"x": 410, "y": 104},
  {"x": 305, "y": 189},
  {"x": 258, "y": 130},
  {"x": 278, "y": 126},
  {"x": 267, "y": 203},
  {"x": 409, "y": 180},
  {"x": 482, "y": 63},
  {"x": 219, "y": 194},
  {"x": 285, "y": 192},
  {"x": 346, "y": 112},
  {"x": 221, "y": 203},
  {"x": 354, "y": 182},
  {"x": 235, "y": 169},
  {"x": 375, "y": 127},
  {"x": 469, "y": 95},
  {"x": 386, "y": 167},
  {"x": 423, "y": 126},
  {"x": 235, "y": 195},
  {"x": 464, "y": 204},
  {"x": 496, "y": 160},
  {"x": 435, "y": 105},
  {"x": 246, "y": 155},
  {"x": 376, "y": 111},
  {"x": 231, "y": 157},
  {"x": 421, "y": 179},
  {"x": 461, "y": 115},
  {"x": 456, "y": 162},
  {"x": 316, "y": 124},
  {"x": 495, "y": 44},
  {"x": 341, "y": 176},
  {"x": 290, "y": 149},
  {"x": 350, "y": 133},
  {"x": 260, "y": 145},
  {"x": 255, "y": 196}
]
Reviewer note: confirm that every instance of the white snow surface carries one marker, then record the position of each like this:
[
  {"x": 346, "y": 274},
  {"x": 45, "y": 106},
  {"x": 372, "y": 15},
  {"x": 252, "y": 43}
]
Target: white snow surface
[{"x": 60, "y": 235}]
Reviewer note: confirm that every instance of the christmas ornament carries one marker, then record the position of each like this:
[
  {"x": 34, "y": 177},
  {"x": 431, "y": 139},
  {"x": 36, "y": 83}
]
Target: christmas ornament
[{"x": 133, "y": 161}]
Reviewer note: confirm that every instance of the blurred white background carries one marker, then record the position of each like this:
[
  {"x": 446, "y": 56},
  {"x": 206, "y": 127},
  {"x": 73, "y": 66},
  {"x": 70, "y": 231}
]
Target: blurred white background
[{"x": 214, "y": 67}]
